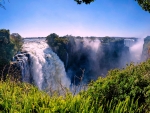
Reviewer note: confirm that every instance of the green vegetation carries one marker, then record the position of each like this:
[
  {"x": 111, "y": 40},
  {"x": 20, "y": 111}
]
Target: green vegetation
[
  {"x": 58, "y": 45},
  {"x": 9, "y": 45},
  {"x": 16, "y": 39},
  {"x": 132, "y": 82},
  {"x": 145, "y": 4},
  {"x": 54, "y": 40},
  {"x": 6, "y": 47},
  {"x": 122, "y": 91}
]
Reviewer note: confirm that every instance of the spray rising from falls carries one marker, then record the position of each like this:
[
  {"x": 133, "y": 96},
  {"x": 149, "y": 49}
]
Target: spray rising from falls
[
  {"x": 46, "y": 69},
  {"x": 136, "y": 51}
]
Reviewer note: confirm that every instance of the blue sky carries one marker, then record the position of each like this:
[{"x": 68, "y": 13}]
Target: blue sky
[{"x": 31, "y": 18}]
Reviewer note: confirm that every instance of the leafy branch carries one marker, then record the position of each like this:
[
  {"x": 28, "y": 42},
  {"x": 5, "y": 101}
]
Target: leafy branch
[{"x": 1, "y": 4}]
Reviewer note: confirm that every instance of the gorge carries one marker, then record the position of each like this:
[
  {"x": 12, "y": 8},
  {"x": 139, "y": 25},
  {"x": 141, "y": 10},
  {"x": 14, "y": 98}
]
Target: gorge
[{"x": 78, "y": 60}]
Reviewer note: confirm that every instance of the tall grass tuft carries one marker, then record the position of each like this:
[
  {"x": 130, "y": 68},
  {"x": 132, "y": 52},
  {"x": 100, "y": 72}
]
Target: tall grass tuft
[{"x": 25, "y": 98}]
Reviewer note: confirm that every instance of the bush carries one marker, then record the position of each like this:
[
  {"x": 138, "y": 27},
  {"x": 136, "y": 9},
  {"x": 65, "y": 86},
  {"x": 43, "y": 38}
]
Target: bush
[
  {"x": 132, "y": 82},
  {"x": 122, "y": 91}
]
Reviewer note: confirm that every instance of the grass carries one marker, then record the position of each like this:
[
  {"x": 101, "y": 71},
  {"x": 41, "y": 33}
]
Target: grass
[{"x": 25, "y": 98}]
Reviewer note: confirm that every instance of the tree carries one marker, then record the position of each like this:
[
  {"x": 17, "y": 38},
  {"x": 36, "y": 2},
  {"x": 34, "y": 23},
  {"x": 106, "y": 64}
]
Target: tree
[
  {"x": 16, "y": 39},
  {"x": 1, "y": 4},
  {"x": 50, "y": 38},
  {"x": 9, "y": 45},
  {"x": 84, "y": 1},
  {"x": 6, "y": 47},
  {"x": 145, "y": 4}
]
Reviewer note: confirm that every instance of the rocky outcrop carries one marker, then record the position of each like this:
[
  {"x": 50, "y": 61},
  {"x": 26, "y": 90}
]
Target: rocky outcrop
[
  {"x": 22, "y": 62},
  {"x": 146, "y": 48}
]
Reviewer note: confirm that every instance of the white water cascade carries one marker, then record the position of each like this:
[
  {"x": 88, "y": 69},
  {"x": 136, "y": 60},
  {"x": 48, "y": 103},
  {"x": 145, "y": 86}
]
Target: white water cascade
[
  {"x": 136, "y": 51},
  {"x": 46, "y": 69},
  {"x": 135, "y": 48}
]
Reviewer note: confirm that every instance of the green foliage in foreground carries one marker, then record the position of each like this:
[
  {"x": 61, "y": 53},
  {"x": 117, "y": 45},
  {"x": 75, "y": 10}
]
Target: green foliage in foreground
[
  {"x": 24, "y": 98},
  {"x": 133, "y": 82},
  {"x": 122, "y": 91}
]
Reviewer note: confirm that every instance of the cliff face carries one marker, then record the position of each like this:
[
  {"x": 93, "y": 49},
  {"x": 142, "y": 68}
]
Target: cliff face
[
  {"x": 21, "y": 62},
  {"x": 146, "y": 48},
  {"x": 90, "y": 57},
  {"x": 115, "y": 55}
]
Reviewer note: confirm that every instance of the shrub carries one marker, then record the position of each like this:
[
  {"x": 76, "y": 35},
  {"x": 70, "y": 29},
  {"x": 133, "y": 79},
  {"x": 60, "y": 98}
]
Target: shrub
[
  {"x": 132, "y": 82},
  {"x": 122, "y": 91}
]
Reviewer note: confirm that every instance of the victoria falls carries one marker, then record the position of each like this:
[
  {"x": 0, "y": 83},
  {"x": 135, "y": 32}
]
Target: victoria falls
[
  {"x": 74, "y": 56},
  {"x": 50, "y": 61}
]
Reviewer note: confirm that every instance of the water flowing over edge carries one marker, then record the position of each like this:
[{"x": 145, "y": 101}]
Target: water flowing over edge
[{"x": 46, "y": 69}]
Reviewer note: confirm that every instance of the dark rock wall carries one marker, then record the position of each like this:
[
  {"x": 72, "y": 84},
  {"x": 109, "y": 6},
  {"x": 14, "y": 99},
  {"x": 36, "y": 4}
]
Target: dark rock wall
[
  {"x": 83, "y": 62},
  {"x": 22, "y": 62},
  {"x": 146, "y": 48}
]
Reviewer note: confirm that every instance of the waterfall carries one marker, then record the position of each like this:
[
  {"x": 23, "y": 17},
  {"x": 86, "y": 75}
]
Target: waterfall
[
  {"x": 136, "y": 51},
  {"x": 135, "y": 48},
  {"x": 129, "y": 42},
  {"x": 46, "y": 69}
]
